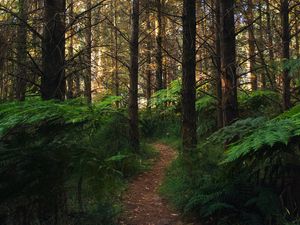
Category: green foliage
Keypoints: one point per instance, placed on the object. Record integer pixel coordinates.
(206, 107)
(162, 119)
(103, 213)
(274, 134)
(237, 130)
(206, 103)
(34, 113)
(259, 103)
(293, 65)
(293, 113)
(253, 182)
(167, 100)
(50, 150)
(155, 125)
(279, 65)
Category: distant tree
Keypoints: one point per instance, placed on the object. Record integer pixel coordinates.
(217, 62)
(285, 35)
(228, 61)
(148, 55)
(21, 75)
(251, 44)
(270, 41)
(70, 79)
(88, 54)
(116, 50)
(159, 38)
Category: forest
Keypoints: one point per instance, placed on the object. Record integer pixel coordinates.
(149, 112)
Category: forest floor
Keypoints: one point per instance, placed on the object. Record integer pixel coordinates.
(142, 203)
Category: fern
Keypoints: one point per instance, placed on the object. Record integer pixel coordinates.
(259, 103)
(274, 132)
(252, 182)
(206, 111)
(169, 97)
(279, 131)
(46, 147)
(34, 113)
(206, 103)
(236, 131)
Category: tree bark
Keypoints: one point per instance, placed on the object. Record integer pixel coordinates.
(149, 61)
(3, 52)
(286, 80)
(228, 62)
(53, 83)
(88, 56)
(134, 71)
(22, 51)
(251, 44)
(269, 31)
(189, 135)
(260, 46)
(297, 42)
(116, 53)
(159, 56)
(218, 62)
(70, 79)
(270, 40)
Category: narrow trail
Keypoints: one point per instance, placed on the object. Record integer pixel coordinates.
(142, 203)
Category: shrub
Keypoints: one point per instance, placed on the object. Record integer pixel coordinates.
(259, 103)
(59, 160)
(255, 181)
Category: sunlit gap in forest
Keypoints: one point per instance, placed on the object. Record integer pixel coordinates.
(149, 112)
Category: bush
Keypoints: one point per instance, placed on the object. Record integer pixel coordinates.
(255, 181)
(259, 103)
(168, 100)
(206, 107)
(167, 103)
(60, 160)
(155, 125)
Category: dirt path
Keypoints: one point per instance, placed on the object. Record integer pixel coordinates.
(142, 203)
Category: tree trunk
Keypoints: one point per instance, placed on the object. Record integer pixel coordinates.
(270, 40)
(297, 42)
(148, 50)
(286, 80)
(218, 62)
(22, 51)
(70, 79)
(159, 56)
(228, 62)
(116, 53)
(297, 45)
(134, 71)
(269, 31)
(88, 57)
(53, 80)
(251, 44)
(3, 53)
(165, 73)
(260, 47)
(189, 135)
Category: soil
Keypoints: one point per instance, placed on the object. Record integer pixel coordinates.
(142, 203)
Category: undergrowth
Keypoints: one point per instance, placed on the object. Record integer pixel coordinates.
(254, 182)
(64, 163)
(68, 163)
